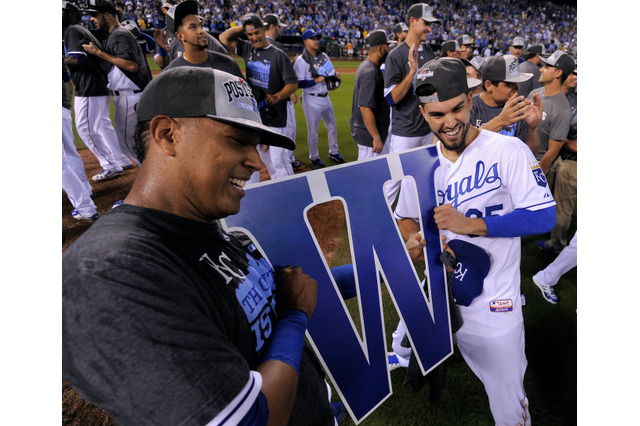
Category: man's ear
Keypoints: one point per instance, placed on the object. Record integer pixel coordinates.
(163, 130)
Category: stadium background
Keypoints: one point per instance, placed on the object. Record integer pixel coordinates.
(551, 377)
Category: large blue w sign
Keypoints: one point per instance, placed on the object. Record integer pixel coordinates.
(275, 215)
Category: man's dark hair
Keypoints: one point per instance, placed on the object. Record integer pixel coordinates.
(141, 140)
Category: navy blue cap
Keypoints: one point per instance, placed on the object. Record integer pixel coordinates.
(473, 266)
(309, 34)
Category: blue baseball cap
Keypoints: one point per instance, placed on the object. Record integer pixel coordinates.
(473, 266)
(309, 34)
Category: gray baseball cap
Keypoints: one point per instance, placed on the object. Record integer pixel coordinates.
(518, 42)
(183, 92)
(424, 11)
(400, 28)
(561, 60)
(535, 49)
(465, 40)
(503, 68)
(101, 6)
(376, 38)
(252, 19)
(449, 46)
(442, 79)
(181, 10)
(475, 62)
(272, 19)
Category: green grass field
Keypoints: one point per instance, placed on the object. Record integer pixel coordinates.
(551, 330)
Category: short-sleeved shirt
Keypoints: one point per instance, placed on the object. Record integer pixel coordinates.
(123, 44)
(268, 70)
(481, 114)
(406, 119)
(368, 92)
(527, 86)
(164, 319)
(90, 78)
(494, 175)
(556, 119)
(215, 60)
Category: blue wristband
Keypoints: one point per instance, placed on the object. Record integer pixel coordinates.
(287, 339)
(162, 52)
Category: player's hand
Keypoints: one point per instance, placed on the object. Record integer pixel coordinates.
(296, 290)
(91, 48)
(448, 218)
(534, 115)
(161, 39)
(445, 247)
(415, 246)
(377, 145)
(272, 99)
(294, 98)
(413, 58)
(514, 110)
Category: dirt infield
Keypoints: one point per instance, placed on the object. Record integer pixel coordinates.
(326, 219)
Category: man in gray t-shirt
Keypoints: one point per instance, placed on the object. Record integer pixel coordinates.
(556, 118)
(531, 65)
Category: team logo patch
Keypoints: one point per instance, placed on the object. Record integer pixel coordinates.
(505, 305)
(424, 74)
(538, 174)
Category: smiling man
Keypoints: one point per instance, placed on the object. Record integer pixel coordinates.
(169, 319)
(490, 191)
(272, 79)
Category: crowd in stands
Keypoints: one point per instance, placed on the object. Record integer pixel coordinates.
(491, 23)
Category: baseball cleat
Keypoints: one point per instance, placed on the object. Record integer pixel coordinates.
(296, 164)
(337, 158)
(79, 216)
(106, 175)
(317, 162)
(547, 291)
(339, 411)
(116, 204)
(392, 360)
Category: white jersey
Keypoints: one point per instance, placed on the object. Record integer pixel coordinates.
(495, 175)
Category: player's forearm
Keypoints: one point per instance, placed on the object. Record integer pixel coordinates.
(571, 144)
(287, 90)
(279, 385)
(228, 38)
(408, 227)
(552, 152)
(400, 91)
(370, 122)
(121, 63)
(533, 140)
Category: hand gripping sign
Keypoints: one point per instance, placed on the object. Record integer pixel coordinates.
(274, 214)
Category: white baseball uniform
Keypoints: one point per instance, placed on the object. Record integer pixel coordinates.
(494, 175)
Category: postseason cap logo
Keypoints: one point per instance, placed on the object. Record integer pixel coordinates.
(424, 74)
(237, 89)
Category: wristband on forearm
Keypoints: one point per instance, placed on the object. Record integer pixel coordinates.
(287, 339)
(162, 52)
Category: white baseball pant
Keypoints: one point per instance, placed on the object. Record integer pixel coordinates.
(566, 260)
(96, 131)
(124, 121)
(317, 108)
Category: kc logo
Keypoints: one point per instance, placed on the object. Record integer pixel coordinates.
(273, 213)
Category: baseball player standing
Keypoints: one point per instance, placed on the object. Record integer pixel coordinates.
(129, 74)
(369, 110)
(408, 129)
(92, 100)
(315, 77)
(273, 29)
(490, 191)
(272, 79)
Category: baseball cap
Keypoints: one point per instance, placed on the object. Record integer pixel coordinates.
(206, 92)
(442, 79)
(473, 266)
(535, 49)
(376, 38)
(518, 41)
(475, 62)
(252, 19)
(400, 28)
(307, 34)
(424, 11)
(101, 6)
(464, 39)
(272, 19)
(133, 29)
(449, 46)
(562, 60)
(503, 68)
(67, 5)
(181, 10)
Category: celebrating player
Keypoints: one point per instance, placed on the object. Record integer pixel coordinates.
(167, 318)
(490, 191)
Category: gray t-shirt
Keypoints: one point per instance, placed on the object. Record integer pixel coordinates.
(405, 116)
(216, 61)
(481, 114)
(556, 119)
(176, 49)
(368, 92)
(268, 71)
(123, 44)
(527, 86)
